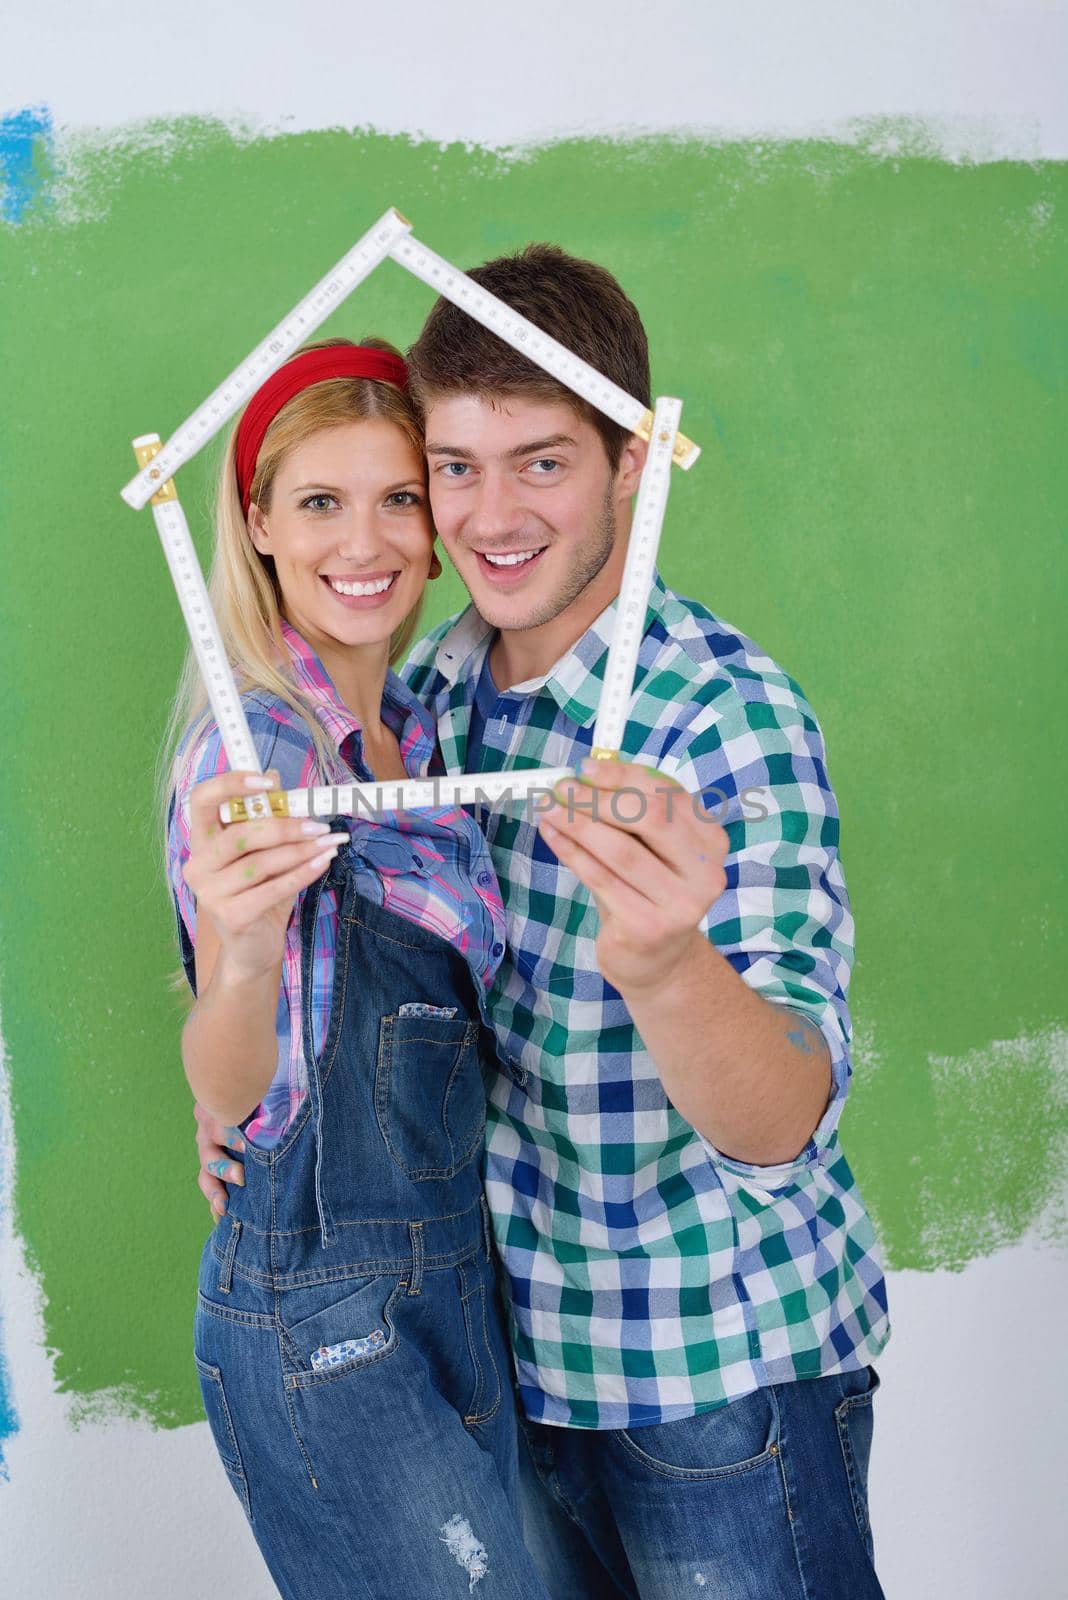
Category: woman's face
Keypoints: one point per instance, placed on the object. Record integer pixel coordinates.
(349, 531)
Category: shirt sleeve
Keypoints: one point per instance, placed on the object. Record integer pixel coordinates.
(784, 921)
(288, 750)
(206, 760)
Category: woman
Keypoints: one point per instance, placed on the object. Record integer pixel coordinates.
(352, 1359)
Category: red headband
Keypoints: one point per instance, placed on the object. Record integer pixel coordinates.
(312, 366)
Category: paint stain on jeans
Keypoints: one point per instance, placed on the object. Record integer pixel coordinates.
(468, 1551)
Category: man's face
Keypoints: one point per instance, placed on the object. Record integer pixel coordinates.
(525, 503)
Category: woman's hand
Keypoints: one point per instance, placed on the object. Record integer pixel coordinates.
(215, 1141)
(247, 875)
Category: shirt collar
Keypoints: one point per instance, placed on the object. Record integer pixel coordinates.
(575, 681)
(401, 710)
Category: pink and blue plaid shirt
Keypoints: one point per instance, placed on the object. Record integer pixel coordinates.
(433, 866)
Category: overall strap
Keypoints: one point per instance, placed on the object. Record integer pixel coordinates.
(334, 876)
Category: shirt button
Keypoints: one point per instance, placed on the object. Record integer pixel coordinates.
(485, 878)
(497, 950)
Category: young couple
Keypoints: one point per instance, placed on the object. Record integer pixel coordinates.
(602, 1046)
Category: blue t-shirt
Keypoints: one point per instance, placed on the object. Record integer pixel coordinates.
(486, 696)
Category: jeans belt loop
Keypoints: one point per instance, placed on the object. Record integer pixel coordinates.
(486, 1237)
(226, 1268)
(415, 1233)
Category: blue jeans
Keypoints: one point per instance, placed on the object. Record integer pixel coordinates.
(352, 1356)
(765, 1498)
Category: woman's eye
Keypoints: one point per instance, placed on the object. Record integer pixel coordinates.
(317, 502)
(404, 498)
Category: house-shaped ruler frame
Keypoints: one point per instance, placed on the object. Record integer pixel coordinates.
(391, 236)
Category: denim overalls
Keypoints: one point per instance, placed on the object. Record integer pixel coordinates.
(349, 1340)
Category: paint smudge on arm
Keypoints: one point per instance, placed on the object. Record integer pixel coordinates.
(805, 1037)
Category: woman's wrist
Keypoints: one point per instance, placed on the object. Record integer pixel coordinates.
(238, 974)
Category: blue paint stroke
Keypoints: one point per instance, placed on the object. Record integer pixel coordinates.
(22, 173)
(9, 1422)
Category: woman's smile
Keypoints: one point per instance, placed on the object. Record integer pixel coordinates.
(361, 594)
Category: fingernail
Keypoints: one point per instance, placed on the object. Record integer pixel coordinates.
(232, 1137)
(237, 1176)
(218, 1207)
(258, 783)
(312, 829)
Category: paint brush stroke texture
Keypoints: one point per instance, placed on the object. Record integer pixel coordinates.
(25, 160)
(9, 1422)
(871, 343)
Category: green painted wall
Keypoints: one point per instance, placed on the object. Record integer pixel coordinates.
(872, 351)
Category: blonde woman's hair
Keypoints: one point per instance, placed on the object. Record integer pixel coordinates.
(243, 587)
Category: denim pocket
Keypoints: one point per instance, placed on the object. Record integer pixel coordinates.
(430, 1098)
(478, 1307)
(734, 1438)
(222, 1429)
(334, 1329)
(856, 1423)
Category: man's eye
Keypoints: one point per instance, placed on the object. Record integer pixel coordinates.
(317, 502)
(546, 462)
(454, 469)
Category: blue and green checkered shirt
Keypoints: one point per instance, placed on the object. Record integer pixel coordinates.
(650, 1275)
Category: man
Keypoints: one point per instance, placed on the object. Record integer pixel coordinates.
(693, 1285)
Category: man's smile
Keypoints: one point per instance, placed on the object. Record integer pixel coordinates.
(504, 568)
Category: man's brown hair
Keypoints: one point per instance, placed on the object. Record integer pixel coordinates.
(575, 301)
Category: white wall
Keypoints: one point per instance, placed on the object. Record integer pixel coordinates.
(992, 71)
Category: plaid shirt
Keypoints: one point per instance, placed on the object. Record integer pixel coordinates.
(651, 1276)
(430, 866)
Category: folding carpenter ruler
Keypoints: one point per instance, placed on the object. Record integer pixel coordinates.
(391, 236)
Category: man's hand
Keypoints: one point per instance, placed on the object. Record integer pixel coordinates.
(214, 1143)
(652, 857)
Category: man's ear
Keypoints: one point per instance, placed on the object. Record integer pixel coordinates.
(631, 462)
(257, 530)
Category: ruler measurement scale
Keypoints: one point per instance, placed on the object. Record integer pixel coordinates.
(391, 236)
(202, 627)
(225, 401)
(467, 789)
(530, 341)
(637, 576)
(407, 794)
